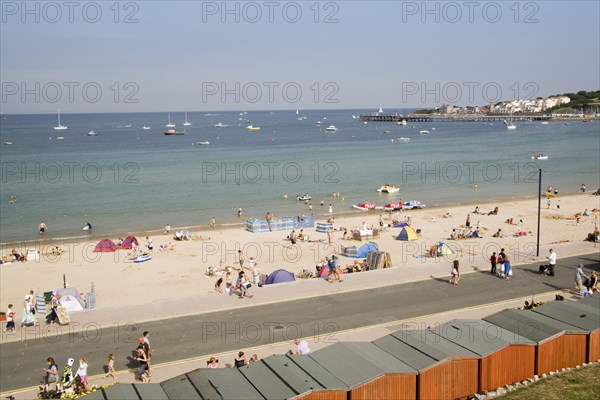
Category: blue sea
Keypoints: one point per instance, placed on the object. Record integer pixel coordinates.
(127, 179)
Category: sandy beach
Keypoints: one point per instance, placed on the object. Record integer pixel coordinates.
(181, 272)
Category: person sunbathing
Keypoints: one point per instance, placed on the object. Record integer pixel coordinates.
(494, 211)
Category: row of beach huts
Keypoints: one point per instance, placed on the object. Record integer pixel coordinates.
(449, 361)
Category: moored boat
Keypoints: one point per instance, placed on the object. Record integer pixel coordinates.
(173, 132)
(388, 189)
(366, 206)
(539, 157)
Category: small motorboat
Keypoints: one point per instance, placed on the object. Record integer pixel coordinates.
(544, 122)
(366, 206)
(91, 133)
(145, 128)
(401, 140)
(539, 157)
(60, 138)
(331, 128)
(424, 132)
(220, 125)
(318, 123)
(8, 143)
(173, 132)
(387, 132)
(306, 197)
(412, 204)
(253, 128)
(403, 122)
(205, 142)
(393, 206)
(142, 258)
(388, 189)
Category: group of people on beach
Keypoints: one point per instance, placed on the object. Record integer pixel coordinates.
(242, 285)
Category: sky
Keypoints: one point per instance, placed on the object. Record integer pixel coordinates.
(151, 56)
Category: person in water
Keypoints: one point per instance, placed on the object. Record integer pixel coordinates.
(88, 226)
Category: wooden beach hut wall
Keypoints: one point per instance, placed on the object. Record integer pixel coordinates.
(504, 356)
(559, 345)
(370, 372)
(581, 315)
(446, 370)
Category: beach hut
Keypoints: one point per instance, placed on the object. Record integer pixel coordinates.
(322, 385)
(129, 242)
(368, 371)
(580, 315)
(280, 276)
(407, 233)
(333, 387)
(560, 345)
(504, 357)
(105, 246)
(446, 370)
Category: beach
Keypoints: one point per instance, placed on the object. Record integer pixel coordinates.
(180, 273)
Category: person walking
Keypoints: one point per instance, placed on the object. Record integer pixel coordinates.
(579, 275)
(269, 218)
(110, 366)
(333, 270)
(552, 261)
(330, 209)
(507, 270)
(493, 261)
(455, 273)
(241, 259)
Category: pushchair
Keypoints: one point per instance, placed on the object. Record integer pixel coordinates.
(544, 269)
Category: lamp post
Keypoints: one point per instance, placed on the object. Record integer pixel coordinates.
(539, 212)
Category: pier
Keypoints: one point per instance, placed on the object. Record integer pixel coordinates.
(449, 118)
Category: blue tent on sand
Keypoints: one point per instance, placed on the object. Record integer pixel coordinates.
(280, 276)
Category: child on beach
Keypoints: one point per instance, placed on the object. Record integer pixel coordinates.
(228, 281)
(110, 366)
(256, 274)
(10, 320)
(218, 285)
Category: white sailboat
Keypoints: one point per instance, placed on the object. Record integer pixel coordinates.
(169, 124)
(187, 123)
(510, 125)
(380, 110)
(60, 127)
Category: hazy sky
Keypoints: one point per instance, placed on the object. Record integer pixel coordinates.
(199, 56)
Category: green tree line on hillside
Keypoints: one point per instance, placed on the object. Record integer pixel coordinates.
(579, 100)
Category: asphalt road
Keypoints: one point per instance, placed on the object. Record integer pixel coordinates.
(205, 334)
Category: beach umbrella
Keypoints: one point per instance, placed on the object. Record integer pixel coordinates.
(105, 246)
(407, 233)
